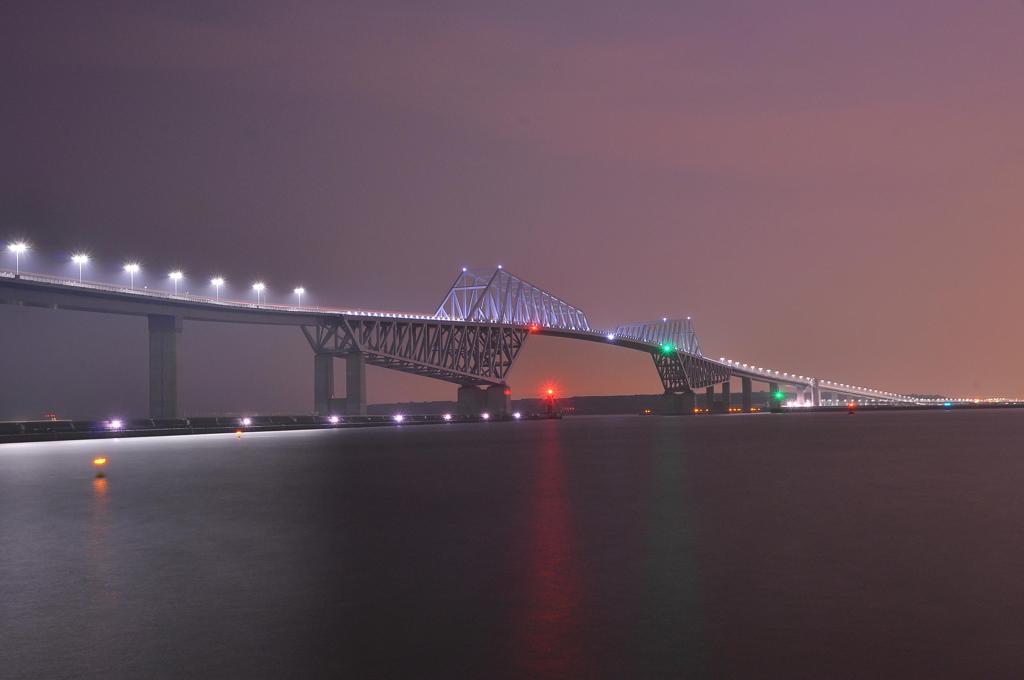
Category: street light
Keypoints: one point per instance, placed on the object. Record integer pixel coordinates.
(81, 259)
(176, 276)
(132, 268)
(300, 291)
(217, 282)
(18, 247)
(259, 288)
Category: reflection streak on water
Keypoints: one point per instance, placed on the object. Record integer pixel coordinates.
(549, 631)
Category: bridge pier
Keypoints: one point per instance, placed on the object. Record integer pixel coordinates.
(709, 397)
(815, 393)
(323, 383)
(354, 402)
(163, 365)
(355, 384)
(498, 401)
(748, 394)
(773, 388)
(723, 407)
(673, 404)
(472, 400)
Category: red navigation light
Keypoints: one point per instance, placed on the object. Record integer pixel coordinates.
(550, 391)
(534, 328)
(508, 392)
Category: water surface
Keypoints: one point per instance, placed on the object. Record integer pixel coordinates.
(811, 545)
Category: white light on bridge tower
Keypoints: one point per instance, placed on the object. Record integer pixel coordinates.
(176, 276)
(19, 248)
(217, 282)
(259, 287)
(81, 259)
(299, 292)
(132, 268)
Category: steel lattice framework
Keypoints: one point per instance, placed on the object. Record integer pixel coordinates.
(459, 352)
(682, 372)
(496, 296)
(678, 333)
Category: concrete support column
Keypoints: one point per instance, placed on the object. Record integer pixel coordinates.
(710, 397)
(498, 400)
(163, 365)
(355, 384)
(323, 383)
(673, 404)
(726, 397)
(815, 393)
(772, 389)
(748, 394)
(472, 401)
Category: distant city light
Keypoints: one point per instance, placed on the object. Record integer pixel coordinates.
(115, 424)
(485, 416)
(333, 420)
(246, 421)
(81, 259)
(398, 417)
(517, 415)
(447, 417)
(610, 336)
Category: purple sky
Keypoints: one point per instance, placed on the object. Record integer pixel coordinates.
(831, 188)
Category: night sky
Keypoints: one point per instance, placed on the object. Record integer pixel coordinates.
(829, 188)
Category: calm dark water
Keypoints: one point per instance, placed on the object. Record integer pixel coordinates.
(812, 545)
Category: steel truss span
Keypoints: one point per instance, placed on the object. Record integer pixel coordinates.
(496, 296)
(463, 353)
(676, 333)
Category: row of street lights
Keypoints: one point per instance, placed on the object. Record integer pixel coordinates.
(19, 248)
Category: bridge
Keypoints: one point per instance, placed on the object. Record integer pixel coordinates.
(472, 340)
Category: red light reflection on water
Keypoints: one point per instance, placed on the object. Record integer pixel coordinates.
(548, 637)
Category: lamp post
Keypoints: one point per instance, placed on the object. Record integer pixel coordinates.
(299, 292)
(176, 276)
(217, 282)
(132, 268)
(259, 287)
(18, 247)
(81, 259)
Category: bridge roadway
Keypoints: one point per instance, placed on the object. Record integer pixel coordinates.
(470, 353)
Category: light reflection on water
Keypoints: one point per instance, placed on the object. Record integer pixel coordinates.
(549, 634)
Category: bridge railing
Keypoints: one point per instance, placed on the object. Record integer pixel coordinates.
(157, 294)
